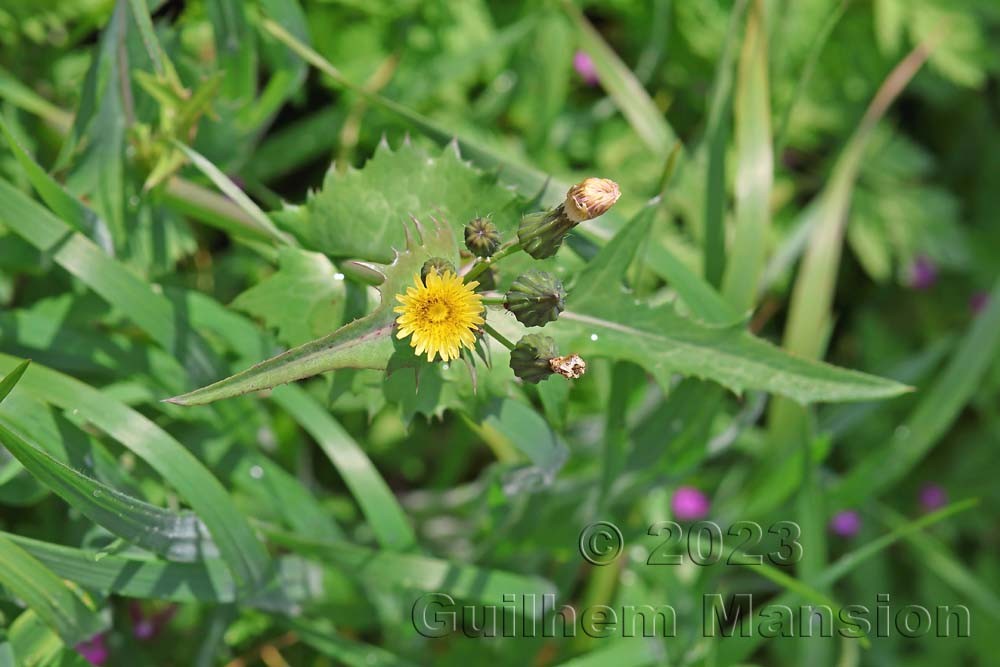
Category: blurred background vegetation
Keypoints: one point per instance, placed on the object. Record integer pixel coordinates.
(686, 100)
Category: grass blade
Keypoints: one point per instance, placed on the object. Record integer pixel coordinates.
(624, 88)
(45, 594)
(224, 183)
(933, 416)
(754, 165)
(177, 536)
(237, 542)
(380, 507)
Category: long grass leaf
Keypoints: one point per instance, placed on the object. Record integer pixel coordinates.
(230, 529)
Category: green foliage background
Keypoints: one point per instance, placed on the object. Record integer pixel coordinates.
(185, 190)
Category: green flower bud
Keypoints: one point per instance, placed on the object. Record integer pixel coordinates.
(536, 298)
(438, 265)
(531, 356)
(482, 237)
(541, 234)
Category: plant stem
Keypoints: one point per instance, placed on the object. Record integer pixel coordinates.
(496, 300)
(499, 336)
(481, 266)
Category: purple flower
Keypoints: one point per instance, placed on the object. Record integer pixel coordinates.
(146, 626)
(94, 650)
(979, 301)
(932, 497)
(689, 504)
(584, 66)
(923, 273)
(846, 523)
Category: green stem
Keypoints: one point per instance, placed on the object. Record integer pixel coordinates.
(497, 300)
(499, 336)
(482, 265)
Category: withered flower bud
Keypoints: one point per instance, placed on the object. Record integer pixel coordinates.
(531, 358)
(536, 298)
(438, 265)
(571, 366)
(482, 237)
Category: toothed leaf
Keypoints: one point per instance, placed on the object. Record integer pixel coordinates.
(357, 214)
(367, 342)
(602, 320)
(303, 299)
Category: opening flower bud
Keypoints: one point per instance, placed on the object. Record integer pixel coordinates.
(590, 198)
(530, 359)
(482, 237)
(536, 298)
(438, 265)
(541, 234)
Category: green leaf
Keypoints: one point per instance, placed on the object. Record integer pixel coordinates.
(110, 279)
(364, 343)
(635, 652)
(261, 222)
(11, 379)
(624, 88)
(937, 410)
(302, 299)
(360, 213)
(175, 535)
(208, 581)
(386, 518)
(735, 649)
(64, 204)
(345, 651)
(387, 570)
(602, 320)
(715, 142)
(754, 165)
(237, 542)
(46, 594)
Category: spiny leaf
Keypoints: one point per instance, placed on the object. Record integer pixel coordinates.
(303, 299)
(603, 321)
(364, 343)
(357, 213)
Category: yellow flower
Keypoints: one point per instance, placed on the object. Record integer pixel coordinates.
(440, 314)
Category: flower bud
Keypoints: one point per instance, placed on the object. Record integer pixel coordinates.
(531, 356)
(541, 234)
(571, 366)
(536, 298)
(438, 265)
(590, 198)
(482, 237)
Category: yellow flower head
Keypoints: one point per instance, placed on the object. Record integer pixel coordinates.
(441, 313)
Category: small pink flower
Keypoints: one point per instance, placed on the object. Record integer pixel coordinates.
(933, 497)
(846, 523)
(94, 650)
(584, 66)
(146, 626)
(979, 301)
(923, 273)
(689, 504)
